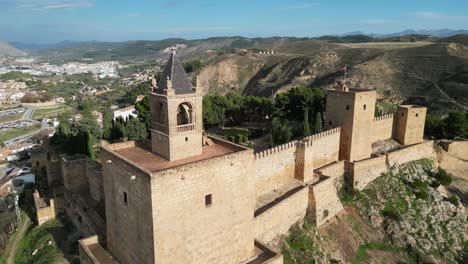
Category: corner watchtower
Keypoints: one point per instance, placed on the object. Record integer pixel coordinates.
(353, 111)
(410, 121)
(176, 114)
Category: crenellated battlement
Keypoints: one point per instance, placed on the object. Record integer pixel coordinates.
(319, 136)
(383, 117)
(276, 149)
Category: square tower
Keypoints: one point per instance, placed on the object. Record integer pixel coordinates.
(410, 120)
(176, 114)
(353, 110)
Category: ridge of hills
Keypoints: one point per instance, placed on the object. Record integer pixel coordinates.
(8, 50)
(432, 74)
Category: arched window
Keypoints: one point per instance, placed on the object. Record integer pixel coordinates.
(184, 114)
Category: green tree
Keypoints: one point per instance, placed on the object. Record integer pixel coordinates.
(456, 125)
(281, 132)
(434, 127)
(318, 122)
(143, 110)
(136, 130)
(106, 122)
(306, 123)
(89, 146)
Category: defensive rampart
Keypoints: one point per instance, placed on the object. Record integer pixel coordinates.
(278, 219)
(410, 153)
(364, 171)
(382, 128)
(274, 167)
(325, 147)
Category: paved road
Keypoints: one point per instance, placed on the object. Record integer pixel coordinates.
(14, 247)
(27, 115)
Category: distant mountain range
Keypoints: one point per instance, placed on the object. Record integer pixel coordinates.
(8, 50)
(439, 33)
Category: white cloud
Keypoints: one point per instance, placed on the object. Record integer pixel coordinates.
(302, 6)
(43, 5)
(197, 29)
(430, 15)
(376, 21)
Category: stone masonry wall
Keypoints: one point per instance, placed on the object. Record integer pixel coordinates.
(94, 175)
(129, 225)
(74, 173)
(188, 230)
(325, 147)
(382, 128)
(274, 167)
(365, 171)
(44, 211)
(324, 202)
(453, 157)
(414, 152)
(277, 220)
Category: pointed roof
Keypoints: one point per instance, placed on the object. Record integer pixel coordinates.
(176, 74)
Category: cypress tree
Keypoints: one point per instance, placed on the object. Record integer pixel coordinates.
(318, 122)
(306, 122)
(90, 148)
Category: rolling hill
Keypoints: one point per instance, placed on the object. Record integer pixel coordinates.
(7, 50)
(430, 74)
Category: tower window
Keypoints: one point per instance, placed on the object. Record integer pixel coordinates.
(330, 123)
(365, 106)
(417, 115)
(402, 114)
(208, 200)
(125, 198)
(347, 107)
(186, 138)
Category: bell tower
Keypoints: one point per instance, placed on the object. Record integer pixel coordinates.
(176, 114)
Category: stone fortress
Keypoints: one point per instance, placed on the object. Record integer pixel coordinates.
(187, 197)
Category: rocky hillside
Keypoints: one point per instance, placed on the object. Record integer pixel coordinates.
(6, 50)
(431, 74)
(405, 216)
(145, 50)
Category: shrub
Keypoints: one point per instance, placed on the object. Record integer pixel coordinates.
(391, 212)
(231, 138)
(443, 177)
(454, 200)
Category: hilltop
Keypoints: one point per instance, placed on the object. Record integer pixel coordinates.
(7, 50)
(421, 72)
(459, 39)
(158, 49)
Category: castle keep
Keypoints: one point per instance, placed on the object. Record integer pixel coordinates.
(186, 197)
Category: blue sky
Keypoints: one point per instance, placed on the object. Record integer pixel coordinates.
(47, 21)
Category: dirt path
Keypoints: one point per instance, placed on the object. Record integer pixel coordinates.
(14, 247)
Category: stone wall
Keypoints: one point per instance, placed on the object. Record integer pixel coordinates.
(94, 176)
(325, 147)
(91, 252)
(188, 230)
(410, 153)
(274, 167)
(364, 171)
(334, 170)
(129, 223)
(45, 210)
(324, 202)
(382, 128)
(277, 220)
(74, 173)
(82, 213)
(453, 157)
(54, 171)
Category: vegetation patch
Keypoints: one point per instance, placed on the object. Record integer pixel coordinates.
(17, 132)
